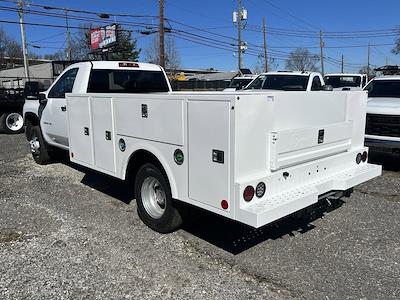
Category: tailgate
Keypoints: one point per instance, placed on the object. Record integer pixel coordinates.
(295, 146)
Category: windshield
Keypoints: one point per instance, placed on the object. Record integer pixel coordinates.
(343, 81)
(280, 82)
(383, 88)
(239, 83)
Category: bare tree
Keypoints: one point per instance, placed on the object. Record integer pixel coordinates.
(260, 64)
(9, 47)
(302, 60)
(172, 58)
(396, 49)
(364, 70)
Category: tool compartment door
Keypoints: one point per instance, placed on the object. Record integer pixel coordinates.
(103, 133)
(209, 139)
(291, 147)
(80, 129)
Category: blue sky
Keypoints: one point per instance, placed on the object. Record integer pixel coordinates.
(216, 16)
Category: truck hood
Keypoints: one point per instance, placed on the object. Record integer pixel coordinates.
(385, 106)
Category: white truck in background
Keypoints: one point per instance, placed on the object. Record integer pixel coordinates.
(249, 156)
(287, 81)
(346, 82)
(382, 131)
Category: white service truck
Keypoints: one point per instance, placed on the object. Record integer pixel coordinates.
(249, 156)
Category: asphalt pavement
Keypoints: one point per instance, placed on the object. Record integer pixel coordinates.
(70, 233)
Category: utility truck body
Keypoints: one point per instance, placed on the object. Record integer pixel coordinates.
(249, 156)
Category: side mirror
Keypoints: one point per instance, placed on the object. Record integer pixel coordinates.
(327, 87)
(42, 98)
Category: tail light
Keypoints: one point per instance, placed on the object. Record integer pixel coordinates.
(224, 204)
(248, 193)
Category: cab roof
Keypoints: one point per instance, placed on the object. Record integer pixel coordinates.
(391, 77)
(299, 73)
(125, 65)
(344, 74)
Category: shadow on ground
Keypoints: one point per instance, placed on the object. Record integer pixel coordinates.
(389, 162)
(235, 237)
(224, 233)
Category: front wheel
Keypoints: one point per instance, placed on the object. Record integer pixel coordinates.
(38, 146)
(11, 122)
(154, 201)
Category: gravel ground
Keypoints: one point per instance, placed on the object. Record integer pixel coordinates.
(68, 233)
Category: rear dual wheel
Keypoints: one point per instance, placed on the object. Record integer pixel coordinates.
(155, 205)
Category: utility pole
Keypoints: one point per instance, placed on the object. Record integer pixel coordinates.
(321, 45)
(265, 46)
(162, 53)
(239, 26)
(23, 38)
(68, 36)
(369, 53)
(342, 64)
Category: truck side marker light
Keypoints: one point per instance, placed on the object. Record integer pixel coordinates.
(224, 204)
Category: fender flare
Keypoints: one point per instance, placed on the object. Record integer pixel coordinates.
(141, 146)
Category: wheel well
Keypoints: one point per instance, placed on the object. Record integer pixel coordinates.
(138, 159)
(31, 119)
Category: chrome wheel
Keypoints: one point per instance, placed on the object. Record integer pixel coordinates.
(34, 145)
(153, 197)
(14, 122)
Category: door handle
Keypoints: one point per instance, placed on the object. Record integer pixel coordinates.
(64, 108)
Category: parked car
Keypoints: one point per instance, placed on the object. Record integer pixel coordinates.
(346, 82)
(383, 114)
(253, 157)
(288, 81)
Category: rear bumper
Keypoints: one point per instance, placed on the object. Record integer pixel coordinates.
(387, 146)
(262, 211)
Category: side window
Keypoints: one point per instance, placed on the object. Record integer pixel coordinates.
(316, 84)
(64, 84)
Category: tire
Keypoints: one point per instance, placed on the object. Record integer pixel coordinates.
(39, 147)
(154, 201)
(11, 122)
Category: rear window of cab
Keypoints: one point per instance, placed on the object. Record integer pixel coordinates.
(126, 81)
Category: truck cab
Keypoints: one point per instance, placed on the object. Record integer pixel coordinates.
(50, 111)
(288, 81)
(346, 82)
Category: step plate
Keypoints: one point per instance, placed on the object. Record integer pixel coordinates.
(283, 204)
